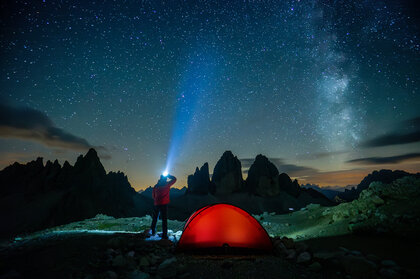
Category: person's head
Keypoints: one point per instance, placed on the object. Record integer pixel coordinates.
(162, 179)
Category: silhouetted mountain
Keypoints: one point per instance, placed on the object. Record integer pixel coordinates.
(289, 186)
(329, 191)
(34, 196)
(384, 176)
(227, 175)
(264, 189)
(263, 178)
(199, 182)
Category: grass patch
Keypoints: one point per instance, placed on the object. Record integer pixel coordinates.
(105, 226)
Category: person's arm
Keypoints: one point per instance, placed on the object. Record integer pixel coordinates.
(173, 180)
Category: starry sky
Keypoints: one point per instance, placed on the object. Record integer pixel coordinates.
(328, 90)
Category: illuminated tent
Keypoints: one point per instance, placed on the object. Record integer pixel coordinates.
(223, 225)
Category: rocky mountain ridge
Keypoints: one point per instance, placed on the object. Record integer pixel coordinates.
(263, 190)
(35, 196)
(263, 179)
(385, 176)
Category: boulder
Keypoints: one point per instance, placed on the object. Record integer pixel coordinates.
(279, 247)
(288, 242)
(301, 247)
(144, 262)
(304, 257)
(263, 178)
(227, 175)
(373, 258)
(111, 275)
(315, 266)
(389, 263)
(358, 267)
(167, 268)
(137, 274)
(119, 261)
(291, 254)
(326, 256)
(389, 273)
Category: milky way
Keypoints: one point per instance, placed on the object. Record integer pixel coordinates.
(303, 82)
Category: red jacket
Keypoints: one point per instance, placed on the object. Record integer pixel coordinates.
(161, 192)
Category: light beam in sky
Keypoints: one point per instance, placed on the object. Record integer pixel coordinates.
(196, 84)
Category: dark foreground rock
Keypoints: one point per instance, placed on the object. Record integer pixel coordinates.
(129, 256)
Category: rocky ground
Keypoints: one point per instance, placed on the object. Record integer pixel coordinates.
(374, 236)
(128, 256)
(88, 255)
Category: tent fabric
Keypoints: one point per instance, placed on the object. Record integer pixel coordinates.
(223, 225)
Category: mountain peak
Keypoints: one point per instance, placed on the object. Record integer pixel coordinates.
(263, 177)
(90, 162)
(227, 153)
(227, 174)
(92, 154)
(261, 158)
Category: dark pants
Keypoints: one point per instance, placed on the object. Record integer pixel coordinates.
(161, 210)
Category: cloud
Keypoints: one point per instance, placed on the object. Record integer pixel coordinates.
(393, 139)
(290, 169)
(319, 155)
(385, 160)
(33, 125)
(397, 137)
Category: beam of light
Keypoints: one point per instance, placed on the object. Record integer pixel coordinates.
(194, 86)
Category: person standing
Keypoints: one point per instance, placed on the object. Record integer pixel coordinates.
(161, 200)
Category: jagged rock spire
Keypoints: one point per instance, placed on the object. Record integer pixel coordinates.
(227, 174)
(263, 177)
(199, 182)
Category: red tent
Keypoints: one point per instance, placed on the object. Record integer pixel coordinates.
(223, 225)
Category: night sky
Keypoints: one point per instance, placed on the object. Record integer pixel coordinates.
(328, 90)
